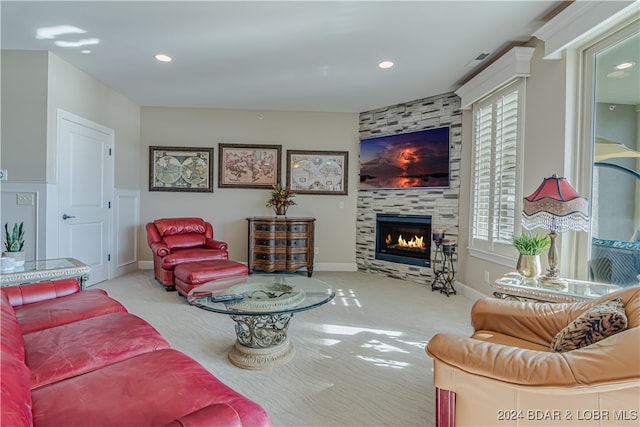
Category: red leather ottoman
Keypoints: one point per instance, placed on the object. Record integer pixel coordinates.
(193, 274)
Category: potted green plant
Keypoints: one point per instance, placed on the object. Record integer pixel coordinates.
(281, 198)
(14, 243)
(530, 246)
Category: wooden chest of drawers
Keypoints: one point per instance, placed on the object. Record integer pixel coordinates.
(281, 244)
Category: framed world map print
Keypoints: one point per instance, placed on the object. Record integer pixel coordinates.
(181, 169)
(317, 172)
(248, 166)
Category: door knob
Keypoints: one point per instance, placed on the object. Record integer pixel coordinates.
(65, 216)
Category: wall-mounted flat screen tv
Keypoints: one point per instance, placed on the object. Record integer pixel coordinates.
(406, 160)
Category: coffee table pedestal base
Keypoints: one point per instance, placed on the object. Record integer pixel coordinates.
(262, 358)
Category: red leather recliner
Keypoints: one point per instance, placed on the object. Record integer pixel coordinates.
(176, 241)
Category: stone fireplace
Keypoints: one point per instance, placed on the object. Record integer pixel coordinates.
(439, 203)
(405, 239)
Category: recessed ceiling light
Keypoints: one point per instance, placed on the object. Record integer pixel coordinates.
(52, 32)
(385, 64)
(79, 43)
(163, 58)
(624, 65)
(617, 74)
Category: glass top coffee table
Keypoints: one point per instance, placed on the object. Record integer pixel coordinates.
(261, 306)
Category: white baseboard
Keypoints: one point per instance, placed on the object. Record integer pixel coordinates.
(145, 265)
(124, 269)
(334, 266)
(322, 266)
(469, 292)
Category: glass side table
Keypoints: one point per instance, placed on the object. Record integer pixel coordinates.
(515, 287)
(47, 269)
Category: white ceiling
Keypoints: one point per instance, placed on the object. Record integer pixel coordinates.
(291, 55)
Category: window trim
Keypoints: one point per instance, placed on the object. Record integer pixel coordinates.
(579, 244)
(497, 252)
(513, 64)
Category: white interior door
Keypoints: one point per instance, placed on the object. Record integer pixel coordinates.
(85, 178)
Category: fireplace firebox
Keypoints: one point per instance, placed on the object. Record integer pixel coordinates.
(404, 239)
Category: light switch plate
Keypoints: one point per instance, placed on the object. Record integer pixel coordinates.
(24, 199)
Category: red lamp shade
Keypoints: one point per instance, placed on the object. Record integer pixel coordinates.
(555, 206)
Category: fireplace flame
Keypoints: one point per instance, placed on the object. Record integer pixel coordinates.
(415, 242)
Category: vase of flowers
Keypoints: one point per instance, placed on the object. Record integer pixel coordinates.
(280, 200)
(530, 246)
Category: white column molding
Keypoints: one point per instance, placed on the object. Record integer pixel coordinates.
(515, 63)
(127, 217)
(582, 20)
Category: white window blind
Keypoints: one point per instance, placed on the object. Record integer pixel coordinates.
(496, 141)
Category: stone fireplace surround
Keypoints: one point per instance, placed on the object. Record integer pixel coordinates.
(440, 203)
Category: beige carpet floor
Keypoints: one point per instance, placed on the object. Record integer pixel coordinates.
(360, 359)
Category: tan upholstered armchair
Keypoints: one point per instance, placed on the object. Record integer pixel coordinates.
(506, 375)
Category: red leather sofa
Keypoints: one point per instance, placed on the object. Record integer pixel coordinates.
(176, 241)
(71, 358)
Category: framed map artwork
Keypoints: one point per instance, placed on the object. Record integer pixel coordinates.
(181, 169)
(317, 172)
(249, 166)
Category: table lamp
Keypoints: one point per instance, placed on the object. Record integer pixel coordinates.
(557, 207)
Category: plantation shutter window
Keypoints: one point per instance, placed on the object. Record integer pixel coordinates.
(482, 173)
(495, 188)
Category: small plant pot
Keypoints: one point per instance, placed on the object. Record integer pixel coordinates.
(529, 266)
(7, 264)
(18, 256)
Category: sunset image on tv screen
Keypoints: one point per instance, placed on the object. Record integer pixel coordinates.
(405, 160)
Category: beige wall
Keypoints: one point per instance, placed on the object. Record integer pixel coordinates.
(24, 115)
(227, 208)
(544, 155)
